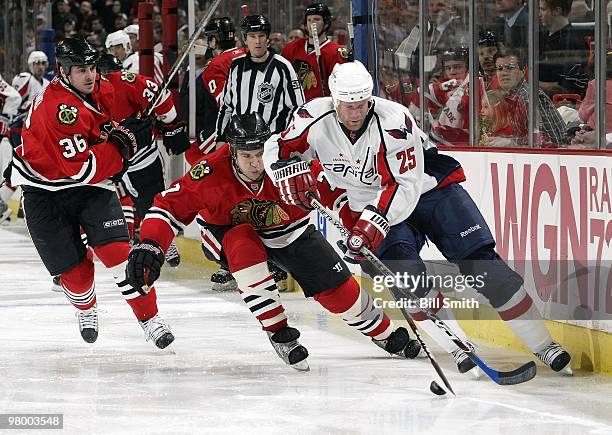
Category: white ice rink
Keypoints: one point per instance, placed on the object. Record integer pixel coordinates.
(225, 378)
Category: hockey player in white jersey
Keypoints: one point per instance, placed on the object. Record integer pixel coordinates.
(30, 83)
(10, 101)
(400, 191)
(119, 45)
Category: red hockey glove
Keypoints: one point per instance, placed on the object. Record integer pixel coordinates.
(295, 182)
(369, 231)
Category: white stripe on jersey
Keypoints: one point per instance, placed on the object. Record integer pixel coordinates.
(270, 88)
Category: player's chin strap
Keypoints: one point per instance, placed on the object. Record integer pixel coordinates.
(87, 97)
(243, 175)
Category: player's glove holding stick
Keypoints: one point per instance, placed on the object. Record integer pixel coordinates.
(295, 182)
(369, 231)
(144, 265)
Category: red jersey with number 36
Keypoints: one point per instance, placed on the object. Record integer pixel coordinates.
(65, 140)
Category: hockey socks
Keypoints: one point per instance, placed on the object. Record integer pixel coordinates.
(357, 309)
(258, 290)
(78, 284)
(247, 259)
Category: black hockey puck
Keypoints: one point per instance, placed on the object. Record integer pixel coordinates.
(436, 389)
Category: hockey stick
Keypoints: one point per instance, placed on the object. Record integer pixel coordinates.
(185, 49)
(321, 209)
(521, 374)
(317, 48)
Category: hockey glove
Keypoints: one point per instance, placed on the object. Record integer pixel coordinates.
(295, 182)
(125, 141)
(142, 129)
(369, 231)
(175, 136)
(144, 265)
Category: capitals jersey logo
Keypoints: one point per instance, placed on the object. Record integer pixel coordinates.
(67, 115)
(403, 131)
(265, 92)
(259, 213)
(306, 75)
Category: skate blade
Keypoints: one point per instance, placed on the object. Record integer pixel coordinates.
(57, 288)
(567, 371)
(225, 287)
(301, 366)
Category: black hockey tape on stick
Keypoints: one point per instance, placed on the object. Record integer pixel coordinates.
(185, 49)
(519, 375)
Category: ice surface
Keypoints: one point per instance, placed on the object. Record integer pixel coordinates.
(225, 378)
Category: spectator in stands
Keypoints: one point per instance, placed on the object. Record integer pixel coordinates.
(511, 77)
(69, 28)
(112, 9)
(586, 136)
(85, 18)
(512, 26)
(562, 49)
(97, 27)
(121, 21)
(277, 42)
(296, 34)
(61, 13)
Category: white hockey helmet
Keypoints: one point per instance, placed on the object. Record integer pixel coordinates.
(37, 56)
(119, 38)
(132, 29)
(350, 82)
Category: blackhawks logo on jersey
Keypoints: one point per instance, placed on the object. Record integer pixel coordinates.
(127, 76)
(305, 74)
(67, 115)
(200, 170)
(259, 213)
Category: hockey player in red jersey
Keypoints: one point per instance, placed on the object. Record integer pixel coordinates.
(243, 223)
(301, 53)
(144, 175)
(399, 192)
(71, 146)
(209, 87)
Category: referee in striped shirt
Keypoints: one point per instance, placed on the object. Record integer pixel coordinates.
(260, 81)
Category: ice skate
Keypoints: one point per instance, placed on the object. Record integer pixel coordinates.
(399, 343)
(173, 257)
(284, 341)
(223, 281)
(464, 363)
(56, 286)
(88, 323)
(5, 213)
(556, 358)
(158, 331)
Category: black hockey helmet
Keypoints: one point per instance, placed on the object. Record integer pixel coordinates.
(319, 9)
(109, 63)
(487, 38)
(255, 23)
(247, 132)
(462, 52)
(221, 28)
(74, 51)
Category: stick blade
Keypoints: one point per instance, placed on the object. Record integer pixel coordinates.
(524, 373)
